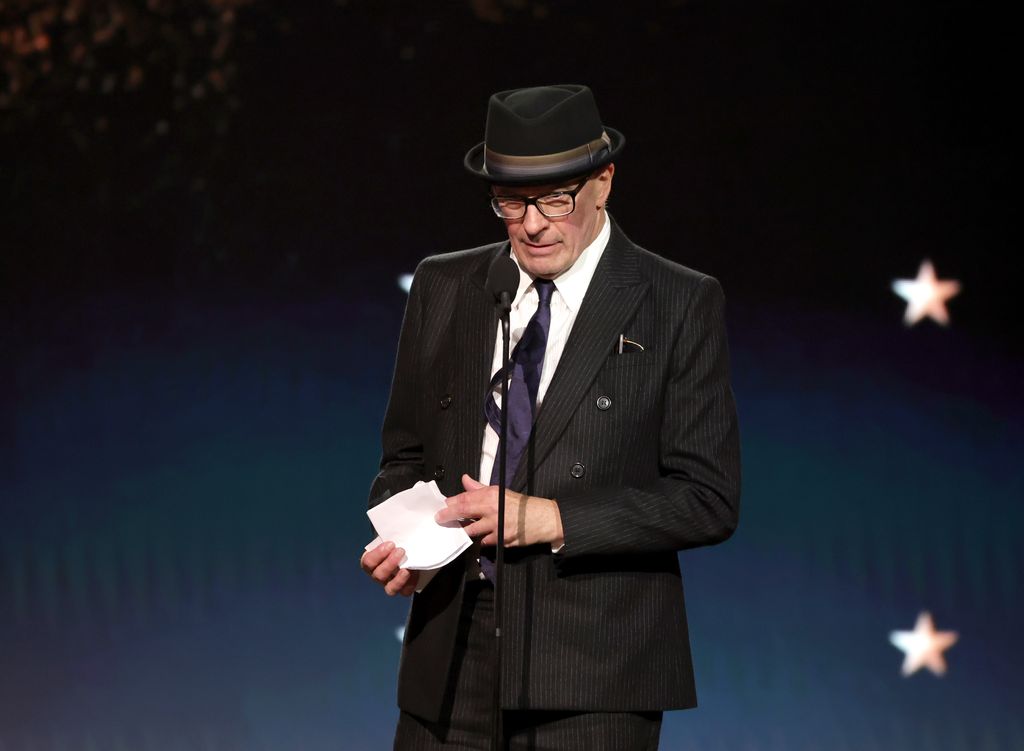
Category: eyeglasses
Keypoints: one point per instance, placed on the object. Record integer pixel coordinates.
(551, 205)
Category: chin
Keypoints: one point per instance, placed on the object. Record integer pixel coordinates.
(548, 270)
(544, 265)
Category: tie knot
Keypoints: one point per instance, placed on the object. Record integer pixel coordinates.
(545, 288)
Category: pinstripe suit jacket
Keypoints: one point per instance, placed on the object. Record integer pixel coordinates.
(600, 626)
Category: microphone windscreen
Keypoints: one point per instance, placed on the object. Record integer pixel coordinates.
(503, 276)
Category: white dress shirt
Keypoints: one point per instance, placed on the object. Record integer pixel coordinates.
(570, 288)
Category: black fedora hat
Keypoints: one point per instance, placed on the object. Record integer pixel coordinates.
(542, 134)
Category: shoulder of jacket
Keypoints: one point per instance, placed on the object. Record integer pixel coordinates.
(656, 268)
(457, 263)
(661, 270)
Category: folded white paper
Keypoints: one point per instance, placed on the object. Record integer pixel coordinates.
(407, 519)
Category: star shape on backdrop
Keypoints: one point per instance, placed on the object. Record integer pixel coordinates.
(926, 295)
(923, 647)
(405, 282)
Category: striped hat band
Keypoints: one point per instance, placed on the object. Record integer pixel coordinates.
(576, 160)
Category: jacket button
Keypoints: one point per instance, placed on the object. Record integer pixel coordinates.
(439, 472)
(446, 401)
(603, 402)
(577, 470)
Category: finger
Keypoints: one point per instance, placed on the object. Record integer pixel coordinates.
(491, 538)
(410, 587)
(446, 515)
(459, 507)
(470, 484)
(398, 581)
(373, 558)
(479, 528)
(386, 570)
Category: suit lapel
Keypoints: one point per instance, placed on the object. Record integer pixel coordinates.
(612, 297)
(476, 321)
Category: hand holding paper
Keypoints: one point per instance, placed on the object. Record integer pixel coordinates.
(407, 519)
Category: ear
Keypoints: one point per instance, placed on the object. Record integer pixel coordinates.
(604, 183)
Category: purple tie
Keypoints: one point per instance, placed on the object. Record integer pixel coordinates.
(526, 362)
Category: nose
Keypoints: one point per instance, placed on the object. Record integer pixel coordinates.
(534, 222)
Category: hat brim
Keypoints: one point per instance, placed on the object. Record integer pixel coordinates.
(474, 164)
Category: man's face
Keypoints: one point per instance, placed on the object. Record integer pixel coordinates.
(545, 246)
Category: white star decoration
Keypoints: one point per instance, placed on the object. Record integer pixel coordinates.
(923, 647)
(405, 282)
(926, 295)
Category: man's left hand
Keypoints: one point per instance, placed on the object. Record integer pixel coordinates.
(528, 520)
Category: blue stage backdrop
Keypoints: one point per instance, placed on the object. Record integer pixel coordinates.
(209, 209)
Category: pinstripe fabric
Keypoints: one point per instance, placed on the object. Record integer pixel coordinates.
(466, 717)
(601, 626)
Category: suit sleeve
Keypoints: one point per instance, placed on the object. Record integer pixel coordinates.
(401, 463)
(695, 500)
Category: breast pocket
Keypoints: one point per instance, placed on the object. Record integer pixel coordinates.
(625, 360)
(625, 398)
(625, 381)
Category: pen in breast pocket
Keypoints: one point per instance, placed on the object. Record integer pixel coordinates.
(623, 341)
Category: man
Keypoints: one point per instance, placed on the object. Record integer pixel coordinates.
(630, 454)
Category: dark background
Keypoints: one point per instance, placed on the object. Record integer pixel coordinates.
(206, 209)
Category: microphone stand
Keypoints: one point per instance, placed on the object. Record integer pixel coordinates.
(505, 306)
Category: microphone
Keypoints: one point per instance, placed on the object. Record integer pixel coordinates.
(503, 282)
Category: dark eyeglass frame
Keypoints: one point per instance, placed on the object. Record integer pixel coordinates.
(527, 202)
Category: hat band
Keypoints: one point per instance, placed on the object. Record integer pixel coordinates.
(518, 167)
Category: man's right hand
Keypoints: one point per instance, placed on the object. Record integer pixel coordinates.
(381, 564)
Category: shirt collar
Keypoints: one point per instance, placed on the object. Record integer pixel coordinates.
(572, 283)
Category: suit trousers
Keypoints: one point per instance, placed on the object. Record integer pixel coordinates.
(466, 716)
